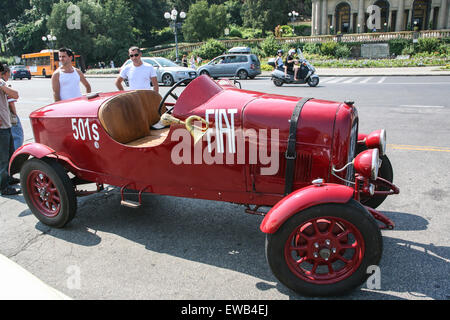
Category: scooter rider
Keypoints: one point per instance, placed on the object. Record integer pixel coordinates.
(279, 60)
(291, 64)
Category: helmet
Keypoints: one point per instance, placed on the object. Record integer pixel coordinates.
(291, 51)
(280, 51)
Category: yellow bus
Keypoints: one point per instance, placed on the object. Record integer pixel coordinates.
(44, 63)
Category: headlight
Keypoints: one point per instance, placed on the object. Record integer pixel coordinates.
(367, 163)
(377, 139)
(181, 73)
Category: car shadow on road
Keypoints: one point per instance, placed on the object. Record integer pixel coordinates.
(222, 235)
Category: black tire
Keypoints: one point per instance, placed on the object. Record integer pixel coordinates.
(312, 82)
(48, 191)
(204, 72)
(167, 79)
(44, 73)
(386, 172)
(350, 217)
(242, 74)
(278, 82)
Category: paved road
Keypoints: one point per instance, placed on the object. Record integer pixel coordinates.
(175, 248)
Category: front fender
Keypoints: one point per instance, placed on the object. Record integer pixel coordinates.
(21, 155)
(302, 199)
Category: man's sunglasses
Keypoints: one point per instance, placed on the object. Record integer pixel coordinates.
(134, 55)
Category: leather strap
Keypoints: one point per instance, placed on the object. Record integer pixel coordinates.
(291, 153)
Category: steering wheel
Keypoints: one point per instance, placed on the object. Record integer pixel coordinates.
(173, 95)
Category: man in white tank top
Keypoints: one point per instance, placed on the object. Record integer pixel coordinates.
(66, 79)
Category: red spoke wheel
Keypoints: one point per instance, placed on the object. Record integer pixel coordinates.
(48, 191)
(326, 249)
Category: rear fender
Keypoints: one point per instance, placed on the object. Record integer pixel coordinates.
(302, 199)
(22, 154)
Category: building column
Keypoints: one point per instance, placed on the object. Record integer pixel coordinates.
(361, 16)
(318, 17)
(313, 17)
(410, 17)
(389, 19)
(400, 16)
(430, 18)
(324, 17)
(442, 15)
(350, 27)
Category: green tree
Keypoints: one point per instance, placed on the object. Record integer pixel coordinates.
(264, 14)
(203, 22)
(234, 8)
(105, 31)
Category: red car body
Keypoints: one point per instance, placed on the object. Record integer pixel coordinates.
(72, 133)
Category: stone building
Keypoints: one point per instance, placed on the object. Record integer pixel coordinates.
(357, 16)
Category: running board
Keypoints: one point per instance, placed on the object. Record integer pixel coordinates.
(130, 203)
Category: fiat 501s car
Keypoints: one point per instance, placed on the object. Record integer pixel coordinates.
(299, 162)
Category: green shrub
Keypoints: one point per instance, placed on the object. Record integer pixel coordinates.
(312, 48)
(396, 46)
(328, 48)
(235, 32)
(270, 46)
(408, 50)
(211, 49)
(343, 51)
(302, 30)
(428, 45)
(286, 31)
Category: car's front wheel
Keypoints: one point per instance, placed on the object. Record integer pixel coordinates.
(325, 250)
(167, 79)
(204, 72)
(48, 191)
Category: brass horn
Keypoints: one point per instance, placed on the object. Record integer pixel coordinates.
(196, 131)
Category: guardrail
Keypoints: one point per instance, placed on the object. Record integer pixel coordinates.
(353, 37)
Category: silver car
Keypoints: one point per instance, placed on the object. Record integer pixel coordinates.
(230, 65)
(168, 72)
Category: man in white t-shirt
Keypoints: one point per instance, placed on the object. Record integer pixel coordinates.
(138, 73)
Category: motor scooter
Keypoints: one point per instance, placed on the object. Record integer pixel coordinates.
(305, 74)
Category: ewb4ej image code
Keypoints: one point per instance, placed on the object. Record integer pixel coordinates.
(260, 310)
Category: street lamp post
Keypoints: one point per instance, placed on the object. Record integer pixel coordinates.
(172, 18)
(50, 40)
(293, 15)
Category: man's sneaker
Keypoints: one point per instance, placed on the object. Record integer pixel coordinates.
(13, 181)
(10, 191)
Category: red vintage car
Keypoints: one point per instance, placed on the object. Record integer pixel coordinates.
(302, 157)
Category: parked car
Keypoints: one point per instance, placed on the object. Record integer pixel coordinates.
(20, 72)
(230, 65)
(302, 157)
(168, 72)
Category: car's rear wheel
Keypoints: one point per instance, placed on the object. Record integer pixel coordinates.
(242, 74)
(204, 72)
(325, 250)
(167, 79)
(48, 191)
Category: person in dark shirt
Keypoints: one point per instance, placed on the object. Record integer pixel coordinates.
(291, 64)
